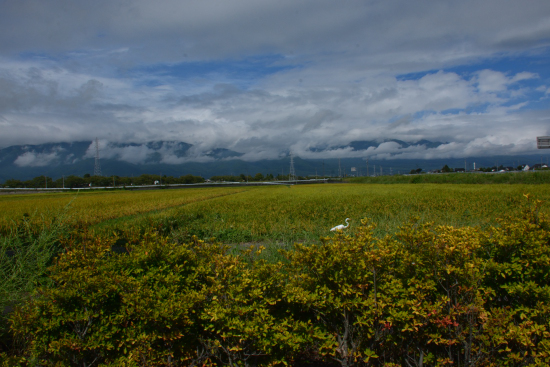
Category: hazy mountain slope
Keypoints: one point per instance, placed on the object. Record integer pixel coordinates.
(178, 158)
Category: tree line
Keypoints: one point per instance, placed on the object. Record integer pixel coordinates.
(88, 180)
(258, 177)
(447, 169)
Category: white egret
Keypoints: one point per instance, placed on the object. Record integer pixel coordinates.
(340, 226)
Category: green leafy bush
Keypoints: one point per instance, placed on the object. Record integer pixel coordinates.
(429, 295)
(160, 304)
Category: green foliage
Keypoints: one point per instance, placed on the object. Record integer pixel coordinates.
(100, 181)
(446, 169)
(433, 295)
(227, 178)
(343, 284)
(160, 304)
(25, 253)
(426, 295)
(246, 322)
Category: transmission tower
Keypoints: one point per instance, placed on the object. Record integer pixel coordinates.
(292, 173)
(97, 166)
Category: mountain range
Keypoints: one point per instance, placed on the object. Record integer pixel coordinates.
(173, 158)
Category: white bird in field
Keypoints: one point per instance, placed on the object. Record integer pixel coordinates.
(340, 226)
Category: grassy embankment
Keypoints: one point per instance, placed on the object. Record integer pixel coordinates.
(538, 177)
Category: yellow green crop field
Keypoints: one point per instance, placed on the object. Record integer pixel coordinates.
(98, 206)
(276, 213)
(296, 213)
(140, 270)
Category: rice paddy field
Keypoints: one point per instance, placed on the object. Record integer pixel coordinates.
(153, 258)
(272, 214)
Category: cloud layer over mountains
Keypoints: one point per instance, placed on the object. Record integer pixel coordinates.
(266, 78)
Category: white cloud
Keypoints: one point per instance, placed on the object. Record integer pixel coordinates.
(491, 81)
(33, 159)
(495, 81)
(202, 72)
(524, 75)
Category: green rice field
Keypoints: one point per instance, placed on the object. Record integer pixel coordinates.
(272, 214)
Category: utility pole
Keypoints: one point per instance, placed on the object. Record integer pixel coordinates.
(292, 173)
(97, 166)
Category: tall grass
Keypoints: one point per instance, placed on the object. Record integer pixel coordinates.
(26, 250)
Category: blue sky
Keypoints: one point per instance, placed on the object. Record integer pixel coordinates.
(245, 71)
(265, 78)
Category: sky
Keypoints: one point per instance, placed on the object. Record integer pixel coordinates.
(265, 78)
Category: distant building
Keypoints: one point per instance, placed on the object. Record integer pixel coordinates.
(543, 142)
(460, 170)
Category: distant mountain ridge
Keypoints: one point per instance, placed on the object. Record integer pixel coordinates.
(364, 145)
(54, 154)
(175, 158)
(153, 152)
(16, 154)
(359, 145)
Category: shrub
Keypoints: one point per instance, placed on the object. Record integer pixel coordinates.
(159, 304)
(428, 295)
(433, 295)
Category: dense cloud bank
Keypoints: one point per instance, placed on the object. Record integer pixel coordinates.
(264, 79)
